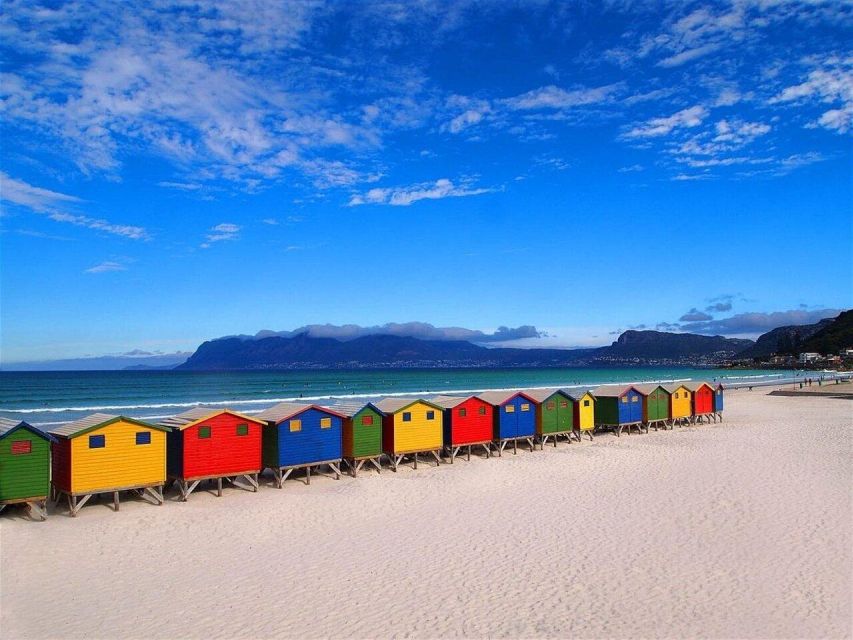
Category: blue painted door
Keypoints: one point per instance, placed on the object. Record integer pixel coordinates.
(311, 436)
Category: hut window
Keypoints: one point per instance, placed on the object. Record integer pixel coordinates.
(430, 415)
(525, 407)
(295, 425)
(482, 411)
(366, 420)
(510, 408)
(634, 398)
(242, 429)
(407, 416)
(325, 423)
(586, 403)
(97, 442)
(550, 406)
(203, 433)
(463, 413)
(564, 403)
(21, 447)
(719, 392)
(624, 399)
(143, 437)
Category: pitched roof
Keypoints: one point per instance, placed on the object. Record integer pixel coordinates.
(393, 405)
(199, 414)
(95, 420)
(693, 385)
(499, 397)
(286, 410)
(449, 402)
(348, 408)
(541, 395)
(8, 425)
(649, 387)
(672, 388)
(613, 390)
(577, 394)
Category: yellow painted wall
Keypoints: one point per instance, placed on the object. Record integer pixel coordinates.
(420, 434)
(680, 403)
(121, 463)
(586, 415)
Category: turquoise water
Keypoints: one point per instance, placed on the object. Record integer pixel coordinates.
(46, 398)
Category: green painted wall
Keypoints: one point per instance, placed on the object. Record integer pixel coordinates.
(657, 405)
(366, 439)
(554, 417)
(24, 475)
(606, 411)
(269, 447)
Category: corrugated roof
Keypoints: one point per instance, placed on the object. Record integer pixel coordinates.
(498, 397)
(8, 424)
(541, 395)
(647, 388)
(348, 408)
(672, 388)
(695, 384)
(448, 402)
(577, 394)
(393, 405)
(70, 428)
(197, 414)
(282, 411)
(612, 390)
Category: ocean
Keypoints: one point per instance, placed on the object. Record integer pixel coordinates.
(49, 398)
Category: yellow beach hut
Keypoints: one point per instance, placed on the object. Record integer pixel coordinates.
(680, 407)
(411, 426)
(584, 412)
(104, 453)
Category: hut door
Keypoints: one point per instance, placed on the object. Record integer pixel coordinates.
(564, 414)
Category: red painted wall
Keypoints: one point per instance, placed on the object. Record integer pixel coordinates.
(388, 432)
(472, 427)
(224, 452)
(703, 401)
(61, 463)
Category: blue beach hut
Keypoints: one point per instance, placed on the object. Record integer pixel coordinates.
(618, 407)
(718, 400)
(300, 436)
(515, 418)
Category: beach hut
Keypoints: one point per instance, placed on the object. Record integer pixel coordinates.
(104, 453)
(362, 434)
(703, 401)
(468, 422)
(718, 400)
(410, 427)
(207, 443)
(584, 412)
(656, 405)
(680, 404)
(24, 466)
(554, 414)
(618, 407)
(515, 418)
(301, 436)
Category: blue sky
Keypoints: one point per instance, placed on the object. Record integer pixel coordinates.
(176, 171)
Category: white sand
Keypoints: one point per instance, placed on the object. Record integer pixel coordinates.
(734, 530)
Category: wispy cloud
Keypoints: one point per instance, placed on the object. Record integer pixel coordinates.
(552, 97)
(830, 83)
(106, 267)
(52, 203)
(221, 232)
(407, 195)
(686, 118)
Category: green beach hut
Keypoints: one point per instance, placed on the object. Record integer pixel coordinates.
(656, 410)
(362, 434)
(554, 414)
(24, 466)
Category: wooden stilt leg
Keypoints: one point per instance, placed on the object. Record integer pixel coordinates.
(469, 453)
(115, 500)
(416, 461)
(219, 487)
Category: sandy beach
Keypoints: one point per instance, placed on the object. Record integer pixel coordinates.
(740, 529)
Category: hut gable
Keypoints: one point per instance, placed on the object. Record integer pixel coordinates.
(554, 411)
(362, 429)
(105, 452)
(680, 400)
(300, 434)
(24, 461)
(515, 414)
(467, 420)
(411, 425)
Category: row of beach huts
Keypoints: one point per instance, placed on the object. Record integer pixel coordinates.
(108, 454)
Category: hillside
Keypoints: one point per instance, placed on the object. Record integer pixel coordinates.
(833, 336)
(783, 340)
(385, 351)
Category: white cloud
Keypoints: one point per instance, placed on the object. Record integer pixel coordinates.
(270, 221)
(552, 97)
(832, 83)
(221, 232)
(106, 267)
(686, 56)
(465, 120)
(686, 118)
(404, 196)
(52, 203)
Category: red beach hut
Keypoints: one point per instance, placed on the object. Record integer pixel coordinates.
(703, 401)
(468, 422)
(207, 443)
